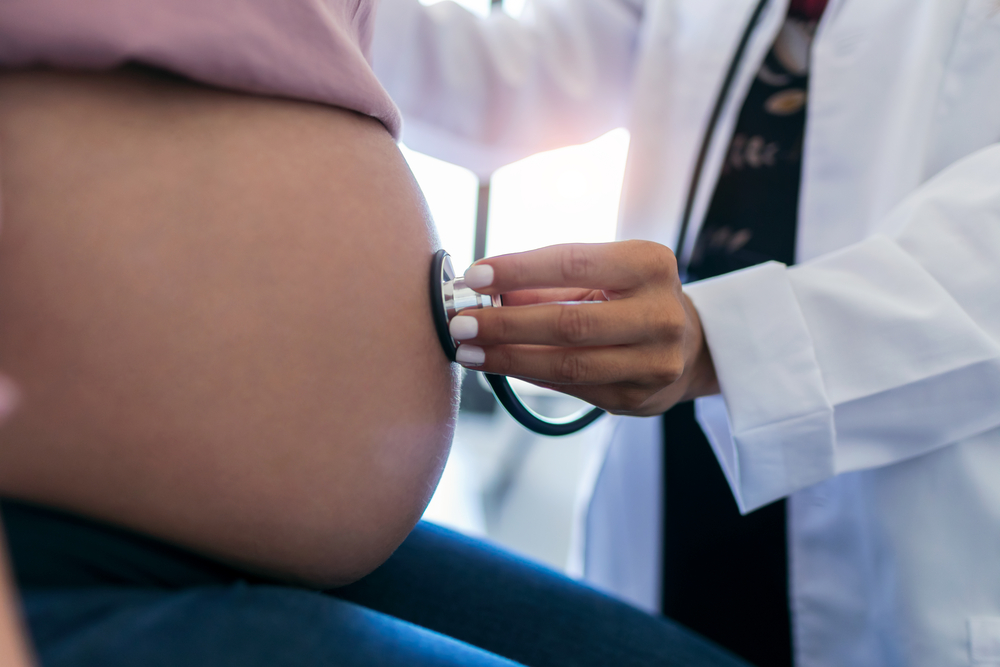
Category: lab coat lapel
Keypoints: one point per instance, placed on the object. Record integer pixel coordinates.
(686, 48)
(670, 107)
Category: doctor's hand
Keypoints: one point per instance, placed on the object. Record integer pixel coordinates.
(607, 323)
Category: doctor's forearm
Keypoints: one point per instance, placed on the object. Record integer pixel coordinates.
(898, 335)
(516, 87)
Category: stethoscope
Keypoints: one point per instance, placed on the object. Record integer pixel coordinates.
(450, 295)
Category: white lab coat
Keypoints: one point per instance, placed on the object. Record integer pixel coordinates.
(862, 384)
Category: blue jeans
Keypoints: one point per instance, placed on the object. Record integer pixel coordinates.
(111, 598)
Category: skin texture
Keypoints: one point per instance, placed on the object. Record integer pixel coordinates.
(215, 307)
(635, 347)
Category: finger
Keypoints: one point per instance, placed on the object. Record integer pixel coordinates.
(576, 366)
(620, 267)
(597, 395)
(586, 324)
(621, 398)
(530, 297)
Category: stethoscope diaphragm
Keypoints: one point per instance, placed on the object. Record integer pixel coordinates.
(449, 296)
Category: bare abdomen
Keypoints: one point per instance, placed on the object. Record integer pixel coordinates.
(215, 306)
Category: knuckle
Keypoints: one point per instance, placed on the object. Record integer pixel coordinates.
(577, 264)
(657, 323)
(628, 400)
(502, 360)
(666, 319)
(671, 325)
(659, 327)
(571, 369)
(498, 326)
(516, 268)
(573, 325)
(668, 260)
(667, 371)
(659, 260)
(637, 399)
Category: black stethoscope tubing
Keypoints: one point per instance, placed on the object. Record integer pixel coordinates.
(504, 393)
(713, 121)
(533, 421)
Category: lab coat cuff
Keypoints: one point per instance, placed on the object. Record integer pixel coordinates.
(772, 428)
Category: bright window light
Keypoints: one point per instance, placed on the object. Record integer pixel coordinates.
(514, 7)
(451, 194)
(568, 195)
(481, 7)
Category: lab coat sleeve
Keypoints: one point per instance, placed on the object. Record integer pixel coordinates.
(878, 353)
(483, 92)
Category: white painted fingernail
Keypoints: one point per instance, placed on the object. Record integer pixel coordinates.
(9, 397)
(478, 276)
(470, 355)
(464, 327)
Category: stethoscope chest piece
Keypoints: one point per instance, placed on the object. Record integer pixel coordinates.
(449, 296)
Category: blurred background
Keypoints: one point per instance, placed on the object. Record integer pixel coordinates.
(502, 482)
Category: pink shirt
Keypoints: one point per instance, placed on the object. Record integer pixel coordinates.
(315, 50)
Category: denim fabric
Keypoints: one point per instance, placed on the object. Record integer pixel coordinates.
(99, 596)
(237, 625)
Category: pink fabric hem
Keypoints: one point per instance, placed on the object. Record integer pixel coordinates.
(313, 50)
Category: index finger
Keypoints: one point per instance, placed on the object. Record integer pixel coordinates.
(531, 297)
(618, 266)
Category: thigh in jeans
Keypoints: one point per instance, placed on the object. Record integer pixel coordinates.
(490, 598)
(237, 625)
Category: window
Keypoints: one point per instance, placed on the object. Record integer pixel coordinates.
(518, 488)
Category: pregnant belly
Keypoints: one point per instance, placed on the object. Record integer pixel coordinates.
(215, 307)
